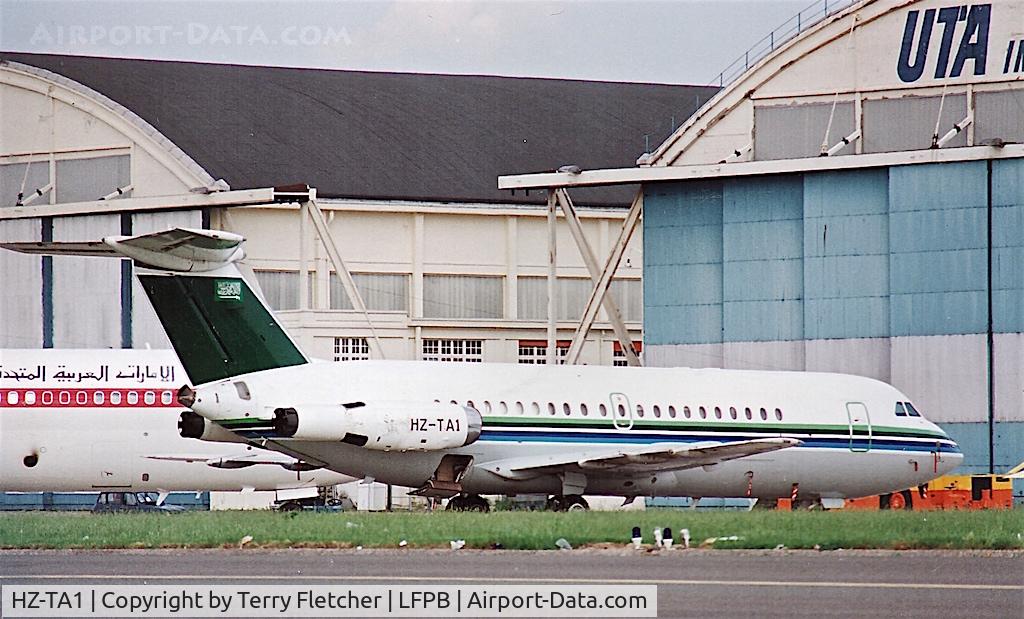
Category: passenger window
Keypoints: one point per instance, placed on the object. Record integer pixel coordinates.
(639, 410)
(166, 398)
(133, 398)
(566, 408)
(621, 410)
(732, 412)
(912, 411)
(749, 414)
(502, 408)
(534, 408)
(30, 398)
(603, 410)
(703, 413)
(470, 404)
(686, 412)
(150, 398)
(718, 413)
(551, 408)
(487, 407)
(764, 415)
(519, 408)
(900, 411)
(583, 409)
(672, 411)
(97, 398)
(778, 414)
(657, 411)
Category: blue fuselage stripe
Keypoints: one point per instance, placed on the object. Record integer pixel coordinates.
(626, 437)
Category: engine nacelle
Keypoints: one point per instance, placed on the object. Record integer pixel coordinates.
(382, 426)
(225, 401)
(194, 425)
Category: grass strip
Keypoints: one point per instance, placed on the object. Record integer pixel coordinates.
(514, 530)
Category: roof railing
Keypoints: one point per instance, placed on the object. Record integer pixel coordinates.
(774, 39)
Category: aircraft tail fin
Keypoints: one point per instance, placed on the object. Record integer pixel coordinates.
(217, 324)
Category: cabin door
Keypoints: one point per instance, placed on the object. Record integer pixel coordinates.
(622, 412)
(860, 426)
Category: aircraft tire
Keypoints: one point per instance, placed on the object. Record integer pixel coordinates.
(290, 506)
(897, 501)
(575, 503)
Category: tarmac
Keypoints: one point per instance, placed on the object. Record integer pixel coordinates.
(691, 583)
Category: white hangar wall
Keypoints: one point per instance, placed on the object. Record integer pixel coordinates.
(443, 281)
(908, 272)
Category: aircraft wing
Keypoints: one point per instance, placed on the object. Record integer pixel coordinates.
(658, 457)
(60, 248)
(240, 461)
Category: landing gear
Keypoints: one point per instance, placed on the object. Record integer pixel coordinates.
(897, 500)
(468, 503)
(567, 503)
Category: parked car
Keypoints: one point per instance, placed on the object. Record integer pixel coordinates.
(111, 502)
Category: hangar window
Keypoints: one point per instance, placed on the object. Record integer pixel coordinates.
(536, 351)
(82, 180)
(351, 349)
(619, 355)
(453, 350)
(912, 411)
(463, 296)
(280, 288)
(795, 131)
(900, 411)
(32, 176)
(381, 292)
(907, 123)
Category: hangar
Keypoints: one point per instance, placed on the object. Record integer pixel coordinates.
(450, 267)
(851, 201)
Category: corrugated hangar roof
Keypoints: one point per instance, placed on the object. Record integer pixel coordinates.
(357, 134)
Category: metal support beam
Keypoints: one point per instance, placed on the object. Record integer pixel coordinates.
(552, 353)
(316, 216)
(610, 307)
(601, 288)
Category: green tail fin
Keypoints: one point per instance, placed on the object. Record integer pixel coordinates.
(217, 325)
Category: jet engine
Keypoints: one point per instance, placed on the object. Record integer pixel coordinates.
(193, 425)
(382, 426)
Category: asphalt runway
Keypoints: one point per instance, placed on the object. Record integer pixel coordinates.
(691, 583)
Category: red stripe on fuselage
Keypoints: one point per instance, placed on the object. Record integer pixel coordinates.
(87, 398)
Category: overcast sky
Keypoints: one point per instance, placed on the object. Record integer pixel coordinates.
(681, 41)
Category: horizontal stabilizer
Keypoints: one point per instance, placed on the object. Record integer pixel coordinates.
(658, 457)
(177, 249)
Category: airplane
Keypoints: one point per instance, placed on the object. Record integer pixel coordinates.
(458, 430)
(101, 420)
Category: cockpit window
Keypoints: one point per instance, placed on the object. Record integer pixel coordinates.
(900, 411)
(912, 411)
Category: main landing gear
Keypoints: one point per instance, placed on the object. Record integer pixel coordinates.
(468, 503)
(567, 503)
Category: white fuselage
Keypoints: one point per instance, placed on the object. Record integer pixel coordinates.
(90, 420)
(853, 443)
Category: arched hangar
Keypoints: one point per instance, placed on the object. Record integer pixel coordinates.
(852, 200)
